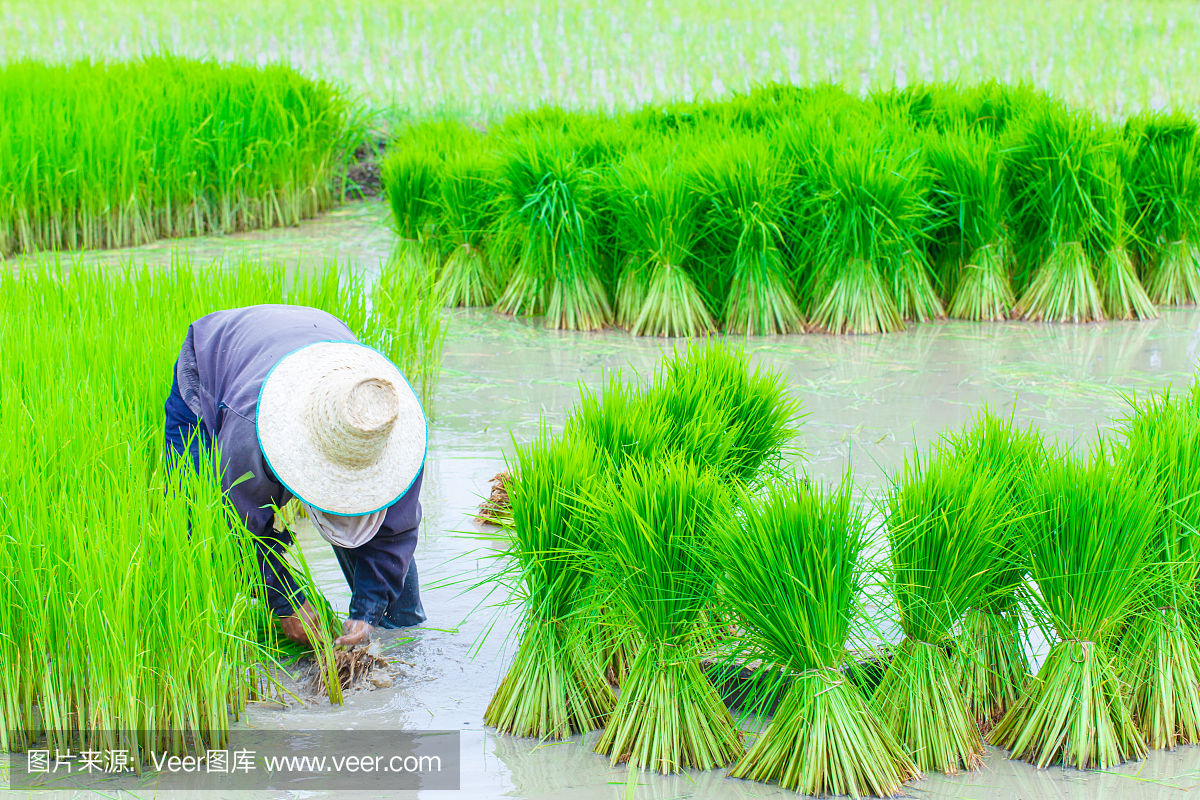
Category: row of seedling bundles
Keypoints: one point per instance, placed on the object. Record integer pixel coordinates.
(659, 544)
(807, 209)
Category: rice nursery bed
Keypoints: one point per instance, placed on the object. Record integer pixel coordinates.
(102, 155)
(128, 606)
(658, 544)
(791, 209)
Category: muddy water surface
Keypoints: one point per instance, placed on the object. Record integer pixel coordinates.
(868, 399)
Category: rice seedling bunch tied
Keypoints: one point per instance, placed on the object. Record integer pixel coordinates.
(969, 197)
(791, 574)
(660, 221)
(549, 192)
(1086, 538)
(620, 423)
(554, 687)
(1121, 292)
(1164, 181)
(989, 653)
(1057, 161)
(871, 210)
(96, 155)
(744, 182)
(739, 421)
(944, 520)
(658, 550)
(466, 211)
(411, 175)
(1160, 443)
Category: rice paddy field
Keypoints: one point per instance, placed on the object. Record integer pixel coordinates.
(842, 362)
(481, 60)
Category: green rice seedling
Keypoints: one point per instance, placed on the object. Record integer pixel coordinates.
(1086, 540)
(969, 197)
(1121, 293)
(1159, 654)
(944, 520)
(989, 652)
(1057, 162)
(792, 575)
(554, 687)
(870, 209)
(660, 221)
(1164, 182)
(737, 421)
(743, 184)
(620, 423)
(466, 206)
(98, 155)
(657, 551)
(410, 181)
(548, 193)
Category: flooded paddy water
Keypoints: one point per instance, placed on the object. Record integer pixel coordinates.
(868, 398)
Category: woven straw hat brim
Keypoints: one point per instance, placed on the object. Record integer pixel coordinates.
(285, 431)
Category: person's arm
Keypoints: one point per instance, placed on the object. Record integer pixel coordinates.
(253, 491)
(283, 591)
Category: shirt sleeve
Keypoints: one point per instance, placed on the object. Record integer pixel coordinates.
(380, 565)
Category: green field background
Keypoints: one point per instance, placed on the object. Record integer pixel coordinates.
(483, 58)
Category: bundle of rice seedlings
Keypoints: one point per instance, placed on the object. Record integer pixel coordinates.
(719, 412)
(943, 519)
(619, 423)
(466, 208)
(411, 176)
(1159, 647)
(869, 209)
(791, 575)
(1056, 162)
(554, 687)
(1121, 293)
(912, 286)
(548, 193)
(989, 652)
(660, 220)
(743, 183)
(970, 200)
(658, 528)
(1086, 540)
(1164, 181)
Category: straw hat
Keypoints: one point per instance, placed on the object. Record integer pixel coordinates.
(341, 428)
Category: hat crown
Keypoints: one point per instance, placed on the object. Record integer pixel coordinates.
(352, 418)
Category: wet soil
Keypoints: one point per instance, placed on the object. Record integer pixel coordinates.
(363, 176)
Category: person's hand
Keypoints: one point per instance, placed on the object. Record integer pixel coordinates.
(294, 627)
(354, 631)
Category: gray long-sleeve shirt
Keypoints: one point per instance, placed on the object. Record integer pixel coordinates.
(225, 358)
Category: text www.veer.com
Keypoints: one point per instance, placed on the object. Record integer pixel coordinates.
(352, 763)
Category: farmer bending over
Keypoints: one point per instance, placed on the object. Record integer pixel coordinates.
(296, 405)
